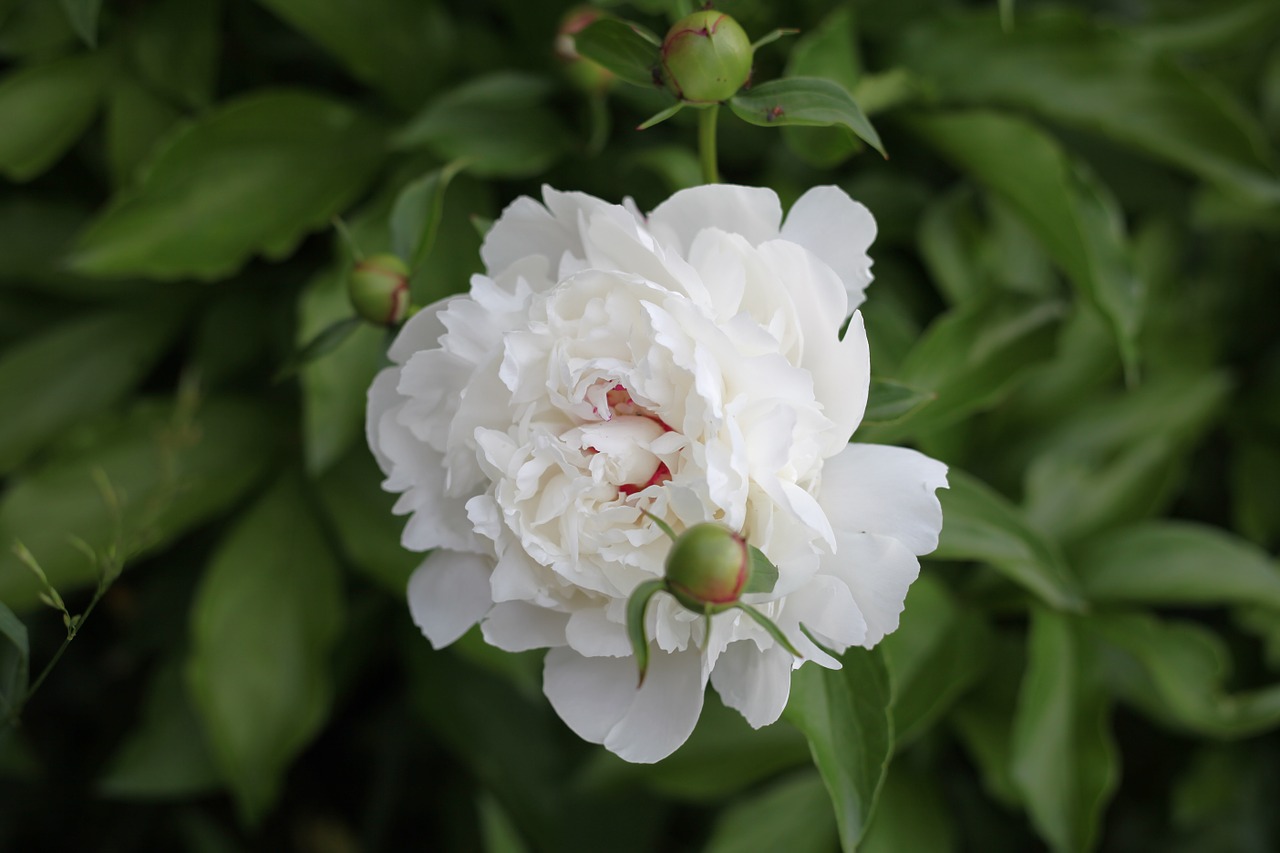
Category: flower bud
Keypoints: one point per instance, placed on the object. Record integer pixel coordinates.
(582, 72)
(706, 57)
(708, 567)
(379, 289)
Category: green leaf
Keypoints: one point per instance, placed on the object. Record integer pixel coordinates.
(829, 51)
(807, 102)
(1174, 672)
(165, 756)
(845, 714)
(174, 47)
(136, 121)
(44, 109)
(1075, 218)
(1177, 562)
(251, 178)
(499, 833)
(1064, 760)
(169, 475)
(321, 344)
(1255, 469)
(889, 401)
(912, 814)
(637, 604)
(399, 47)
(971, 358)
(793, 814)
(980, 524)
(764, 574)
(15, 661)
(47, 384)
(265, 620)
(83, 15)
(1098, 80)
(497, 124)
(619, 48)
(415, 218)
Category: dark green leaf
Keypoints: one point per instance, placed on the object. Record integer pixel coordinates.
(764, 574)
(1096, 79)
(136, 120)
(174, 46)
(678, 167)
(44, 109)
(499, 833)
(153, 460)
(637, 605)
(889, 401)
(264, 623)
(1074, 217)
(1255, 470)
(845, 714)
(415, 218)
(321, 344)
(1064, 760)
(165, 756)
(793, 814)
(1176, 562)
(497, 124)
(980, 524)
(807, 102)
(47, 384)
(912, 814)
(83, 15)
(15, 661)
(252, 177)
(829, 51)
(619, 48)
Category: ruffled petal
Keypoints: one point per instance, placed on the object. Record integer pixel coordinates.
(448, 594)
(756, 684)
(878, 571)
(888, 491)
(516, 626)
(753, 212)
(838, 230)
(664, 711)
(382, 397)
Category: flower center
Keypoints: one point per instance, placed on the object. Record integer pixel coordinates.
(621, 441)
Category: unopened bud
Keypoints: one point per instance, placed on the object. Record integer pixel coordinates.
(379, 289)
(708, 568)
(706, 57)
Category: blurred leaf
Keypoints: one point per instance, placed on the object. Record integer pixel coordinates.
(47, 384)
(1212, 26)
(496, 123)
(15, 661)
(1073, 215)
(359, 514)
(949, 237)
(1174, 672)
(500, 835)
(45, 108)
(983, 719)
(912, 815)
(1072, 72)
(980, 524)
(319, 345)
(136, 120)
(264, 623)
(393, 45)
(845, 714)
(1117, 458)
(619, 48)
(1176, 562)
(889, 401)
(415, 217)
(970, 358)
(804, 101)
(174, 45)
(165, 755)
(83, 15)
(1064, 760)
(252, 177)
(677, 166)
(1255, 471)
(938, 652)
(36, 30)
(169, 478)
(829, 51)
(793, 814)
(37, 229)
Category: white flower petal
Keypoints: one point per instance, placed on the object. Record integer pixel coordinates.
(756, 684)
(888, 491)
(382, 397)
(448, 594)
(516, 626)
(591, 634)
(878, 571)
(590, 694)
(837, 229)
(664, 711)
(753, 212)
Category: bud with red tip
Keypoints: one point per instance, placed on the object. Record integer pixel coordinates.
(379, 289)
(706, 57)
(708, 568)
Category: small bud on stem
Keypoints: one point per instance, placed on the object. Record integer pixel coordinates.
(379, 289)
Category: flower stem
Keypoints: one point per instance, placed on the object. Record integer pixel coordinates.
(707, 143)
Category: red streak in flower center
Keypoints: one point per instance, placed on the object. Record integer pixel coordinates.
(661, 475)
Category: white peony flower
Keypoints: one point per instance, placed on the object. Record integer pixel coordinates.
(689, 363)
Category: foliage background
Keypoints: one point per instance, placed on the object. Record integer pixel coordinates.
(1075, 307)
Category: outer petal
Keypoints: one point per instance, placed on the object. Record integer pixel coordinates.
(888, 491)
(590, 694)
(516, 626)
(527, 228)
(878, 571)
(382, 397)
(753, 212)
(752, 682)
(448, 594)
(837, 229)
(665, 709)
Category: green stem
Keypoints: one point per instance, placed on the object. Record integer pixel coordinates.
(707, 143)
(72, 631)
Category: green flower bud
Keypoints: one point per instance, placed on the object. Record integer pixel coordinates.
(708, 568)
(379, 289)
(706, 57)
